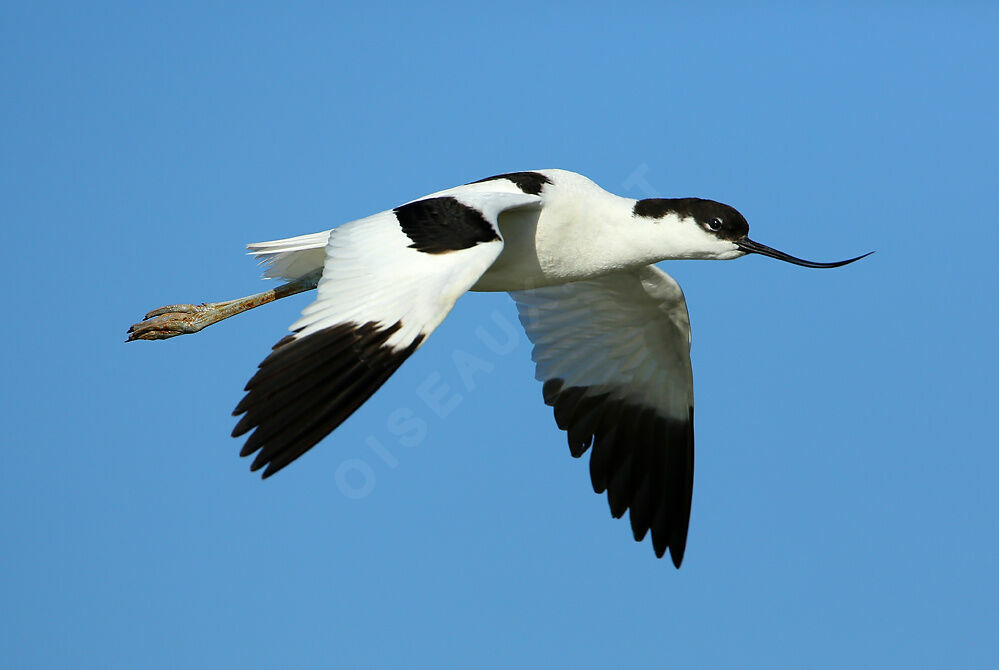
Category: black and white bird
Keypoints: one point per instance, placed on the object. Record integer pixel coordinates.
(610, 330)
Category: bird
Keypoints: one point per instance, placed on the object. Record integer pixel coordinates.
(610, 330)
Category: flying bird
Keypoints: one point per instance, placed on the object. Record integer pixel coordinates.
(610, 330)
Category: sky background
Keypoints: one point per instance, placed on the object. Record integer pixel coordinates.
(845, 503)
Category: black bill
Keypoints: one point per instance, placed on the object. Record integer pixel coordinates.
(751, 247)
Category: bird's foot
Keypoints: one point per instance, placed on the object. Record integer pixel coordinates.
(173, 320)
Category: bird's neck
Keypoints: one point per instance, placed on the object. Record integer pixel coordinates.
(587, 234)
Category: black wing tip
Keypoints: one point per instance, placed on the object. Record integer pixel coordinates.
(309, 385)
(241, 427)
(676, 550)
(676, 555)
(631, 443)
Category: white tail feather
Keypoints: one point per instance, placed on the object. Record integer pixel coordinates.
(291, 258)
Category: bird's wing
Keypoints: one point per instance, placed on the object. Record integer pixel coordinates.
(387, 282)
(614, 356)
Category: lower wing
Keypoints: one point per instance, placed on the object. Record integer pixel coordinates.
(614, 355)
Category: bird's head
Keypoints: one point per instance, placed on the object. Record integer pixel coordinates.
(712, 230)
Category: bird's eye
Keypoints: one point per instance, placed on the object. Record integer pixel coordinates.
(715, 223)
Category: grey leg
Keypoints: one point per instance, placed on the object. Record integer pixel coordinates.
(174, 320)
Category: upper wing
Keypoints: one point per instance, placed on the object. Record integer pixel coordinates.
(614, 356)
(388, 281)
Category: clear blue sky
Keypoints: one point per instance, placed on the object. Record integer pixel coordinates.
(845, 505)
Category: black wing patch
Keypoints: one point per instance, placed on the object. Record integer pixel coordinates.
(644, 461)
(530, 183)
(308, 386)
(440, 225)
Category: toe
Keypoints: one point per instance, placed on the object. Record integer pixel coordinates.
(172, 309)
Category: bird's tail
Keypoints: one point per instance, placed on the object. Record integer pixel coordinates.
(291, 258)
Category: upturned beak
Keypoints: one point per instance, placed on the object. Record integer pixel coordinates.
(751, 247)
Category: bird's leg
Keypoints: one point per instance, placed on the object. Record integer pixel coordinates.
(174, 320)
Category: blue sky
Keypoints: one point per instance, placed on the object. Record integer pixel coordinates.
(845, 505)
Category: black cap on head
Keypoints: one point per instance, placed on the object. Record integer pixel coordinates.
(716, 218)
